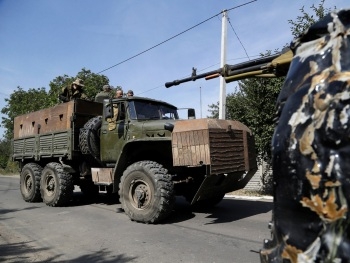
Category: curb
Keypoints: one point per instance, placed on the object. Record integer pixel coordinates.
(252, 198)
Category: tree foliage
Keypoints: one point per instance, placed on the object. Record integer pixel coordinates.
(305, 20)
(5, 147)
(254, 105)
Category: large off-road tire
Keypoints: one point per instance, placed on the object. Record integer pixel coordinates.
(89, 137)
(30, 182)
(56, 185)
(146, 192)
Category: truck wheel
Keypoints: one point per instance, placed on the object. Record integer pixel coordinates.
(146, 192)
(30, 182)
(89, 137)
(56, 185)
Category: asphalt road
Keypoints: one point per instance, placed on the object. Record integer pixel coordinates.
(100, 232)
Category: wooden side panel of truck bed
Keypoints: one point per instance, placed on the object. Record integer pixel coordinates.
(54, 119)
(54, 131)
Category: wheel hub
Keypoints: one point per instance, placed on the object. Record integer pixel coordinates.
(50, 186)
(140, 193)
(28, 183)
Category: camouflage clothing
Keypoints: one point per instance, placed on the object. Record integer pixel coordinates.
(103, 95)
(112, 121)
(71, 93)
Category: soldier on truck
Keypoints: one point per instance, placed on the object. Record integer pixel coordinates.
(106, 93)
(73, 91)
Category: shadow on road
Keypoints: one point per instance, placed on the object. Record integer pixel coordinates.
(182, 212)
(26, 252)
(79, 199)
(22, 252)
(228, 210)
(4, 211)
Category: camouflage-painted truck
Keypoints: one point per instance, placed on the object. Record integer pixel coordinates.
(136, 147)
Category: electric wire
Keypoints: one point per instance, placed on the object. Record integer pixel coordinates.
(234, 31)
(138, 54)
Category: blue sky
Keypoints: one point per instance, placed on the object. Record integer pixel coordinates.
(41, 39)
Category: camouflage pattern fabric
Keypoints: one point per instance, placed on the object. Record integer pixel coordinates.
(112, 122)
(102, 95)
(311, 149)
(68, 93)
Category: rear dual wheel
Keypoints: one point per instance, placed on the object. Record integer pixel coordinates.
(56, 185)
(30, 182)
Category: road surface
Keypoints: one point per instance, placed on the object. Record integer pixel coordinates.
(99, 231)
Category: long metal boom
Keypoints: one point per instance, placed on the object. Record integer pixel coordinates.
(273, 66)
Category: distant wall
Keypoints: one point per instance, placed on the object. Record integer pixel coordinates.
(255, 183)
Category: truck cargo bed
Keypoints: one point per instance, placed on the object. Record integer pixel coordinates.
(52, 132)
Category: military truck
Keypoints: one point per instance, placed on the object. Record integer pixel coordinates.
(136, 147)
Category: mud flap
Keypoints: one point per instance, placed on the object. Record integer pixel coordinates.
(102, 176)
(214, 185)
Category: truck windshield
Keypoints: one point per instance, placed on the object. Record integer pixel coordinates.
(149, 110)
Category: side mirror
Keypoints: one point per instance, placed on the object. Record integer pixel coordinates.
(107, 109)
(191, 114)
(169, 127)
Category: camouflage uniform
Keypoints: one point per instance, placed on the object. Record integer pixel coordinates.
(69, 93)
(112, 122)
(311, 146)
(106, 93)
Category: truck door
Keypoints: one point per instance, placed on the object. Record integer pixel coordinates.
(114, 134)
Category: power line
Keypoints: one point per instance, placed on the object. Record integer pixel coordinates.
(138, 54)
(228, 19)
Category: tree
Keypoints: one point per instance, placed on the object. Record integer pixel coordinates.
(5, 146)
(304, 21)
(254, 106)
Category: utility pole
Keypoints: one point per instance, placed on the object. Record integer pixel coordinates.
(222, 100)
(200, 99)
